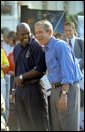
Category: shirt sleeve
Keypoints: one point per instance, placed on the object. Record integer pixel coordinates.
(66, 60)
(39, 58)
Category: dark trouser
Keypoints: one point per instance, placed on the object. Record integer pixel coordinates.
(32, 108)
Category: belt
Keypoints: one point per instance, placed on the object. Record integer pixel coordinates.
(55, 85)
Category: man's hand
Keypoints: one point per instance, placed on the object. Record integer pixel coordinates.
(62, 104)
(18, 81)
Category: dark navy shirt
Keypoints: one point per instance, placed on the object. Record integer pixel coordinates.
(29, 57)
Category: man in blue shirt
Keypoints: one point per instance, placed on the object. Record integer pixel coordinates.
(30, 98)
(64, 75)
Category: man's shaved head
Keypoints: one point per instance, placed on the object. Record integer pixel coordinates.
(23, 26)
(23, 33)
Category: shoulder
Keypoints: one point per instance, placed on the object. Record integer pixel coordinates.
(61, 44)
(17, 48)
(35, 44)
(78, 39)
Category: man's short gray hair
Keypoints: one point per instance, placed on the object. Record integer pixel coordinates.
(23, 25)
(46, 25)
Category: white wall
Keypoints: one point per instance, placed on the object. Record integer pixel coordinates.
(55, 5)
(36, 4)
(74, 7)
(12, 20)
(11, 23)
(80, 26)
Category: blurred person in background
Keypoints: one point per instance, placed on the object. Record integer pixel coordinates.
(4, 126)
(5, 44)
(4, 64)
(8, 45)
(58, 35)
(11, 40)
(77, 44)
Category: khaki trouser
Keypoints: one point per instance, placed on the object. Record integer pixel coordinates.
(69, 120)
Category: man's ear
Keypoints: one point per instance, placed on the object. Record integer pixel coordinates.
(50, 32)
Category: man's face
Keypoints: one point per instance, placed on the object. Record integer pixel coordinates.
(69, 31)
(42, 35)
(23, 36)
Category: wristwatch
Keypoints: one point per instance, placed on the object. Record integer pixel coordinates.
(64, 92)
(21, 77)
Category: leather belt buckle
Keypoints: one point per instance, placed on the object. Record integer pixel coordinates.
(56, 85)
(53, 86)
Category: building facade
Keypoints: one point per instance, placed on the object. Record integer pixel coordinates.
(11, 10)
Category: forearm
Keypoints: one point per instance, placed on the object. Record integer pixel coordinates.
(31, 74)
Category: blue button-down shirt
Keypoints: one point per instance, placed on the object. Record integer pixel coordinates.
(61, 63)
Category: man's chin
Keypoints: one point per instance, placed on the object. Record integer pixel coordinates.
(41, 43)
(24, 43)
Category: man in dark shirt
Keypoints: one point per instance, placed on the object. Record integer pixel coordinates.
(30, 97)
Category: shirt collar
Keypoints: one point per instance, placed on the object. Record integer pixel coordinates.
(50, 43)
(73, 39)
